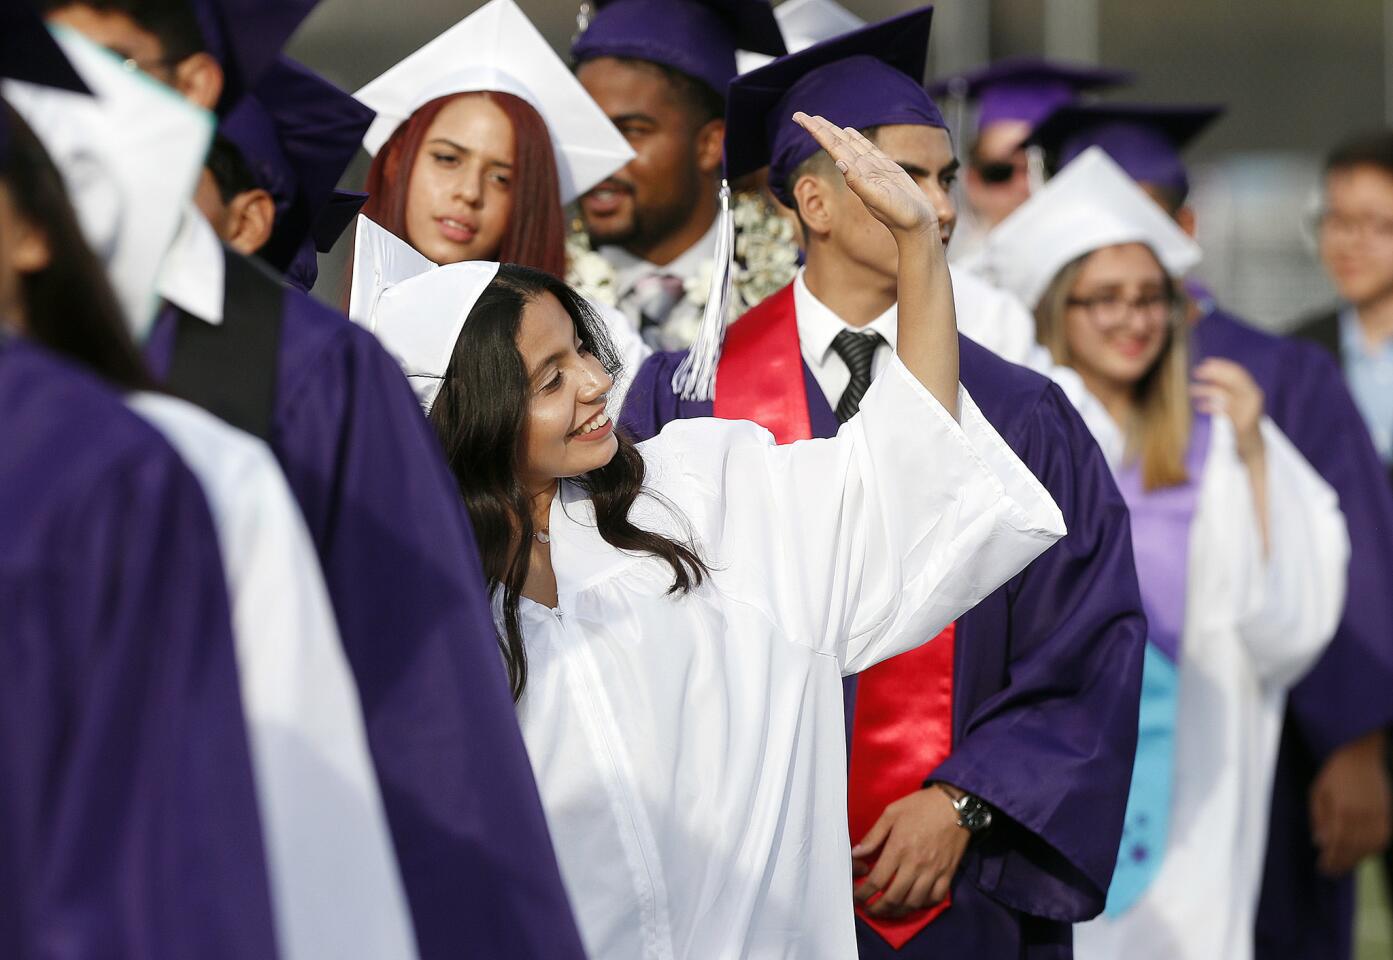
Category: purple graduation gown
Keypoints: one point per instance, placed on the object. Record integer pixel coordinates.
(404, 576)
(1047, 681)
(1302, 914)
(128, 817)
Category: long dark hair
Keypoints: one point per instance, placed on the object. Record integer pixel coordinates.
(69, 305)
(536, 232)
(481, 418)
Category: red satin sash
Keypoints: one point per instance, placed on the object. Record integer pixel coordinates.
(760, 374)
(903, 725)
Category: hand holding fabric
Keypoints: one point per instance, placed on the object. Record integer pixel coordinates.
(920, 847)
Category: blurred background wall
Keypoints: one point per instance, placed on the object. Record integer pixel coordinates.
(1297, 76)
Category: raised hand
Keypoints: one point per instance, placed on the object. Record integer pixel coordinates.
(889, 193)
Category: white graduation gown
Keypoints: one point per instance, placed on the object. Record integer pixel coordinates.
(1253, 626)
(335, 887)
(690, 750)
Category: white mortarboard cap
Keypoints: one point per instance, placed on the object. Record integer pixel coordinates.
(497, 48)
(1088, 205)
(414, 307)
(804, 23)
(130, 156)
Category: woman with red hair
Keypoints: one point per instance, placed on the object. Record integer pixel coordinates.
(482, 136)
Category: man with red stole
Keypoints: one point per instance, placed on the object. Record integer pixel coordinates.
(988, 770)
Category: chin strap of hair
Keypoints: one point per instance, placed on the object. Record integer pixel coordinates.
(695, 378)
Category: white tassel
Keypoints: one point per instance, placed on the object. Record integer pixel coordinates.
(695, 378)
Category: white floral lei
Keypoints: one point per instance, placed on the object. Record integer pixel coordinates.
(766, 260)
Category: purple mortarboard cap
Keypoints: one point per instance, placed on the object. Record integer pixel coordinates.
(697, 37)
(28, 51)
(297, 132)
(246, 37)
(867, 78)
(1026, 89)
(1145, 140)
(332, 221)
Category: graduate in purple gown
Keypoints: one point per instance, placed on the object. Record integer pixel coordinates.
(128, 820)
(1329, 780)
(1045, 673)
(403, 573)
(128, 823)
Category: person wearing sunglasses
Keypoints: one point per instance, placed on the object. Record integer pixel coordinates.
(1013, 97)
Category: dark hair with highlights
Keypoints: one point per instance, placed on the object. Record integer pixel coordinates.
(480, 416)
(69, 305)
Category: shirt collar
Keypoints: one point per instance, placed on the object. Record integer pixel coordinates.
(818, 326)
(1353, 346)
(629, 269)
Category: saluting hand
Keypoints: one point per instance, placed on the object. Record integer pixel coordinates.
(888, 192)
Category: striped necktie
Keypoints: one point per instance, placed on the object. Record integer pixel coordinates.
(857, 350)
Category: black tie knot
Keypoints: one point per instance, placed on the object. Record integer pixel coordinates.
(857, 350)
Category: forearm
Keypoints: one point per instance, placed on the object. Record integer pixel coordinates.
(928, 329)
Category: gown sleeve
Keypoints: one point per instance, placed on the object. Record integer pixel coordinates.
(1290, 601)
(1058, 738)
(334, 879)
(136, 832)
(402, 569)
(868, 543)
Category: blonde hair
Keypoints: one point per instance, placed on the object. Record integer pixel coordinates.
(1159, 432)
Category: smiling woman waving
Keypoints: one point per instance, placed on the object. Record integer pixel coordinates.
(679, 614)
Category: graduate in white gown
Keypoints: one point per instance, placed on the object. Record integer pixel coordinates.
(687, 608)
(334, 883)
(1241, 553)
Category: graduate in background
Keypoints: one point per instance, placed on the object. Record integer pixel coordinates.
(129, 823)
(394, 544)
(659, 70)
(335, 883)
(479, 144)
(1013, 97)
(993, 762)
(478, 147)
(1330, 805)
(683, 709)
(1241, 552)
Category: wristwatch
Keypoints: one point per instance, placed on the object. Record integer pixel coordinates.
(973, 814)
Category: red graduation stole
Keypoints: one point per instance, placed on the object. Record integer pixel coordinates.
(903, 726)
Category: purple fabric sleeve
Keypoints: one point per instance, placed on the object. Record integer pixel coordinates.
(1051, 748)
(128, 819)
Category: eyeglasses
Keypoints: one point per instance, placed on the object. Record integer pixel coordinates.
(997, 172)
(1368, 226)
(1110, 311)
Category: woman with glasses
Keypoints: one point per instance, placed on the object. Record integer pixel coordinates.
(1240, 547)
